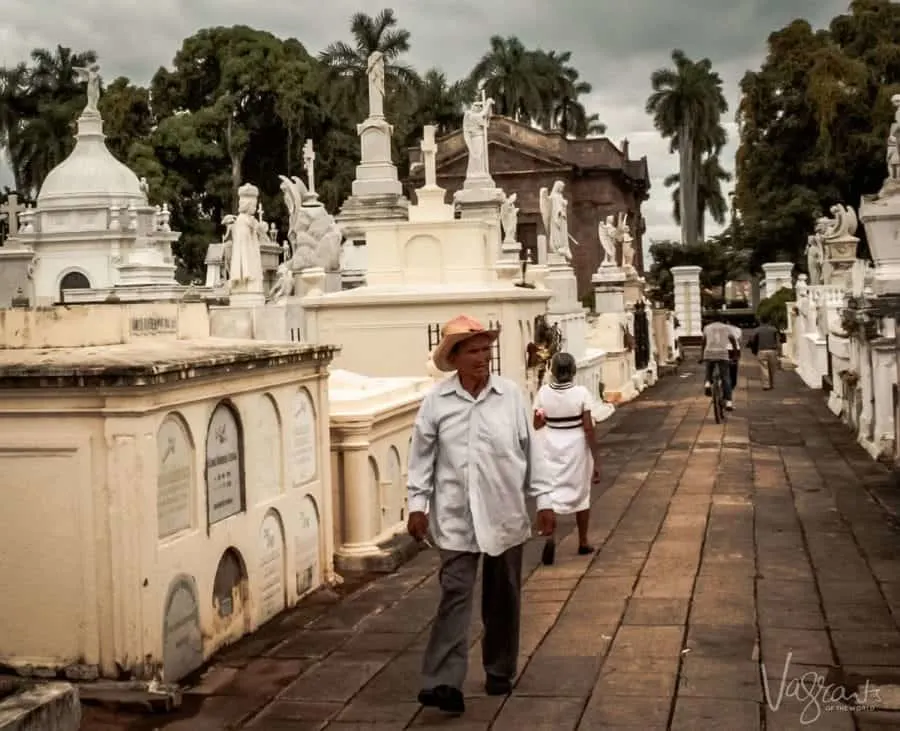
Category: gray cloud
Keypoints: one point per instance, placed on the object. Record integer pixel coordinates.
(615, 45)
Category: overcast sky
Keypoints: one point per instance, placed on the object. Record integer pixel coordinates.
(615, 45)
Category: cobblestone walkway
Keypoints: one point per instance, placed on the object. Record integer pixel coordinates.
(728, 557)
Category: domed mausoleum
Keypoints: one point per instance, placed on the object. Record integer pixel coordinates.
(93, 232)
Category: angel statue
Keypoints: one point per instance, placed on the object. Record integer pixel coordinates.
(893, 143)
(475, 127)
(607, 232)
(284, 283)
(90, 74)
(555, 218)
(509, 216)
(627, 242)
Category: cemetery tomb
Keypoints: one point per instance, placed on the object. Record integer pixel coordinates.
(182, 484)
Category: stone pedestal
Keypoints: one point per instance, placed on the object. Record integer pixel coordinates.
(430, 206)
(840, 256)
(778, 276)
(609, 290)
(687, 300)
(881, 216)
(480, 203)
(376, 174)
(314, 280)
(246, 299)
(561, 281)
(634, 288)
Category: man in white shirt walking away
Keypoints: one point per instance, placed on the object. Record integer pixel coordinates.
(471, 466)
(718, 340)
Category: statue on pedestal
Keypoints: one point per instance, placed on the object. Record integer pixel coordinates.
(893, 143)
(509, 217)
(555, 218)
(314, 236)
(247, 234)
(815, 254)
(607, 232)
(375, 72)
(90, 74)
(843, 225)
(623, 236)
(475, 125)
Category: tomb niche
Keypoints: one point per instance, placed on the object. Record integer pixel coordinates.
(230, 597)
(174, 477)
(267, 444)
(307, 561)
(225, 494)
(272, 570)
(182, 638)
(303, 439)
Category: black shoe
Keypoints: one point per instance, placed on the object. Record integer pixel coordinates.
(549, 553)
(495, 685)
(444, 698)
(585, 550)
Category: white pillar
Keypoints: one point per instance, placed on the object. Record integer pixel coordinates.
(687, 299)
(778, 276)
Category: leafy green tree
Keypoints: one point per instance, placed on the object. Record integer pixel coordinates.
(687, 104)
(127, 117)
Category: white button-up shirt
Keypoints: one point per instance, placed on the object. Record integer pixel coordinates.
(471, 466)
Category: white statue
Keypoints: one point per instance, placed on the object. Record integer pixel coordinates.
(314, 236)
(90, 74)
(145, 187)
(893, 142)
(555, 218)
(509, 217)
(624, 236)
(246, 237)
(607, 232)
(284, 283)
(309, 164)
(844, 223)
(375, 72)
(815, 255)
(475, 127)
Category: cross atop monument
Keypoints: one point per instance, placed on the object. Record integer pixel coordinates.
(11, 210)
(309, 164)
(429, 152)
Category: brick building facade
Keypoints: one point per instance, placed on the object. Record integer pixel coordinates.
(600, 180)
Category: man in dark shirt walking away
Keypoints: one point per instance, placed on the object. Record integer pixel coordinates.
(765, 344)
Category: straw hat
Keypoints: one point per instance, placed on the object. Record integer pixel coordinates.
(455, 331)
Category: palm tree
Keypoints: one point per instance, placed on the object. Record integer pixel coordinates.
(561, 89)
(439, 103)
(15, 108)
(350, 62)
(513, 77)
(687, 105)
(709, 194)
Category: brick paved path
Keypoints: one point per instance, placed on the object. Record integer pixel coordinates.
(721, 549)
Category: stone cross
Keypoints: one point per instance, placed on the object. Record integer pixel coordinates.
(12, 209)
(429, 151)
(309, 164)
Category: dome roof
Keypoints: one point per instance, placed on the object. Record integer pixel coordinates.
(90, 176)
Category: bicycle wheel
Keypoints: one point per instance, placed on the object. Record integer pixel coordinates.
(718, 400)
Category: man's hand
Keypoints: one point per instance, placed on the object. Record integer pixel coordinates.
(546, 522)
(417, 525)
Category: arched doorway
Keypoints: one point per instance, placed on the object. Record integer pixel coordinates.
(73, 280)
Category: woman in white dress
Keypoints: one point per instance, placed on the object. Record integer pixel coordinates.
(565, 431)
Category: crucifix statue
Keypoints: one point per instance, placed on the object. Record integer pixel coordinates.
(11, 210)
(309, 164)
(429, 151)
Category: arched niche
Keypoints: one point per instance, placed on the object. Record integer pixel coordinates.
(304, 439)
(267, 483)
(423, 256)
(225, 495)
(307, 547)
(271, 590)
(394, 503)
(73, 279)
(182, 637)
(174, 476)
(230, 599)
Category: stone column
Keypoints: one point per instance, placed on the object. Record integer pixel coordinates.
(778, 276)
(359, 519)
(609, 290)
(688, 308)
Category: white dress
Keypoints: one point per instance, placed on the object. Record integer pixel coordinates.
(565, 447)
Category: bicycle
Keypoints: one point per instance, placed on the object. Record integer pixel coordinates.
(718, 393)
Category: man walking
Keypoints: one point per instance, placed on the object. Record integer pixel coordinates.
(765, 344)
(735, 355)
(471, 466)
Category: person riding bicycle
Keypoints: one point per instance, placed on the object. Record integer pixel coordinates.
(718, 339)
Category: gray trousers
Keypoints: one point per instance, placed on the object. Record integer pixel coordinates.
(447, 654)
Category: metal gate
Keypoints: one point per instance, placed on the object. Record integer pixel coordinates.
(434, 337)
(641, 336)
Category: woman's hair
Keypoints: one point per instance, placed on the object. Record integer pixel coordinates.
(563, 368)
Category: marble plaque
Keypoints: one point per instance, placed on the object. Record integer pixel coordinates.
(174, 477)
(267, 455)
(182, 639)
(153, 325)
(224, 466)
(303, 457)
(306, 547)
(271, 597)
